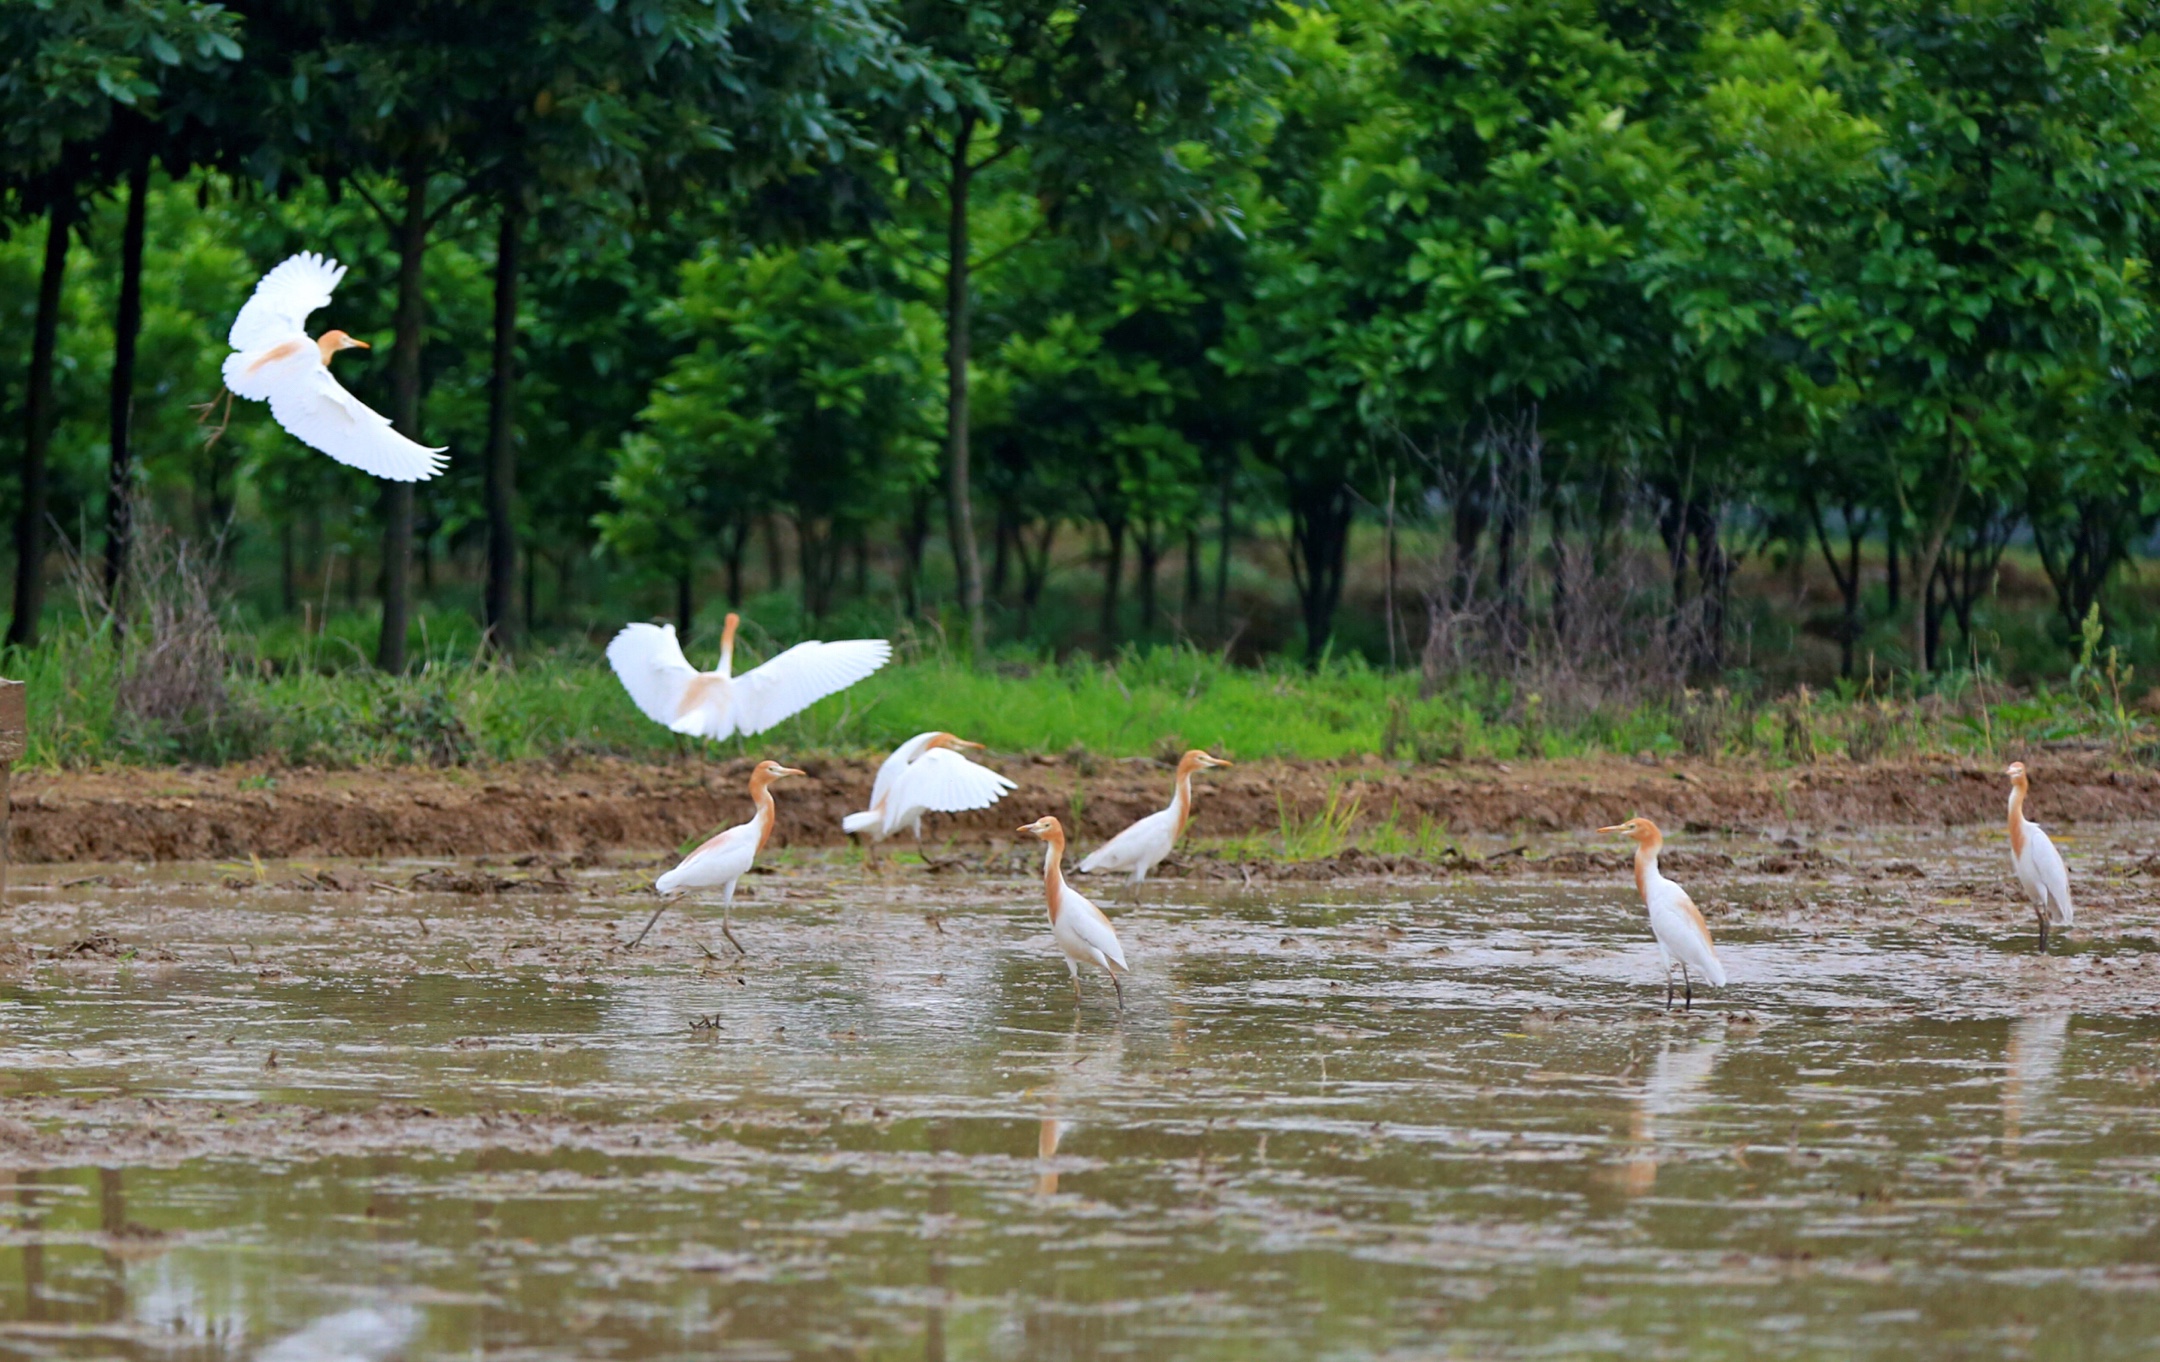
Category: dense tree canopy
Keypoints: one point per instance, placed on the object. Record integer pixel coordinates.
(1595, 308)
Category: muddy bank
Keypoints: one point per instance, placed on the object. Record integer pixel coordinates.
(599, 806)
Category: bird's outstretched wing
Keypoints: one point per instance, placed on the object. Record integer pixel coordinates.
(802, 676)
(943, 781)
(651, 666)
(283, 298)
(318, 411)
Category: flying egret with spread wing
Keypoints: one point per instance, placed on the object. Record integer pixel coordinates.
(1683, 938)
(925, 774)
(274, 360)
(718, 704)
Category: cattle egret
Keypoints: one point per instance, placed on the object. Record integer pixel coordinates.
(925, 774)
(2038, 864)
(274, 360)
(716, 704)
(1683, 938)
(1081, 930)
(1141, 847)
(727, 856)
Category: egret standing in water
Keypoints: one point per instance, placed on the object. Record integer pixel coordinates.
(1142, 847)
(1081, 930)
(925, 774)
(2038, 864)
(275, 360)
(719, 704)
(727, 856)
(1683, 938)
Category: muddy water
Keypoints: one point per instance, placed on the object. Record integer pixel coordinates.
(1358, 1120)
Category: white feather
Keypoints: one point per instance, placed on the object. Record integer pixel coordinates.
(1140, 848)
(2045, 878)
(722, 860)
(278, 309)
(275, 361)
(1084, 934)
(918, 779)
(802, 676)
(317, 411)
(651, 666)
(1680, 938)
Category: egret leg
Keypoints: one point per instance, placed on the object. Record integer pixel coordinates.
(1689, 980)
(648, 925)
(1120, 987)
(1074, 971)
(1668, 988)
(2043, 929)
(727, 914)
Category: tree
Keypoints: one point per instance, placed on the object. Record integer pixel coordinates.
(1104, 109)
(78, 83)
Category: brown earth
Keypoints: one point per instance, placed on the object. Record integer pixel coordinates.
(597, 806)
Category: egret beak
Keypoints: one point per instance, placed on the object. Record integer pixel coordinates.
(1617, 827)
(354, 343)
(1218, 761)
(787, 771)
(963, 742)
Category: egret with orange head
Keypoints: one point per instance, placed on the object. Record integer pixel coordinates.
(2038, 864)
(1142, 847)
(717, 704)
(727, 856)
(925, 774)
(1683, 938)
(1080, 928)
(275, 360)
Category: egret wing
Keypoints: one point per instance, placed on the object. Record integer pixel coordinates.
(943, 781)
(318, 411)
(1089, 924)
(283, 298)
(651, 666)
(1123, 851)
(893, 765)
(2053, 875)
(802, 676)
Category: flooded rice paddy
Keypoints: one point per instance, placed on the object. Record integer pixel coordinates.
(303, 1113)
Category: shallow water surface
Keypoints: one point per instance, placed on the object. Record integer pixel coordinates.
(1360, 1120)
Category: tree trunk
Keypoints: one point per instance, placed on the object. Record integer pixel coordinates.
(1147, 541)
(407, 336)
(775, 568)
(1034, 570)
(961, 510)
(1320, 540)
(1001, 551)
(502, 438)
(1192, 568)
(127, 328)
(1893, 549)
(912, 539)
(1224, 527)
(1927, 551)
(738, 543)
(685, 601)
(37, 432)
(1113, 577)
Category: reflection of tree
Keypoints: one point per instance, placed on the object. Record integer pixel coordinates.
(1674, 1088)
(2032, 1059)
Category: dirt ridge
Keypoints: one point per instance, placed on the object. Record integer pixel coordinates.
(601, 805)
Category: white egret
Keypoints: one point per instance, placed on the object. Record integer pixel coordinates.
(925, 774)
(2038, 864)
(1081, 930)
(1142, 847)
(717, 704)
(274, 360)
(726, 856)
(1683, 938)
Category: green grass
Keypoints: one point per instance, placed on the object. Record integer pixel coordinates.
(312, 700)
